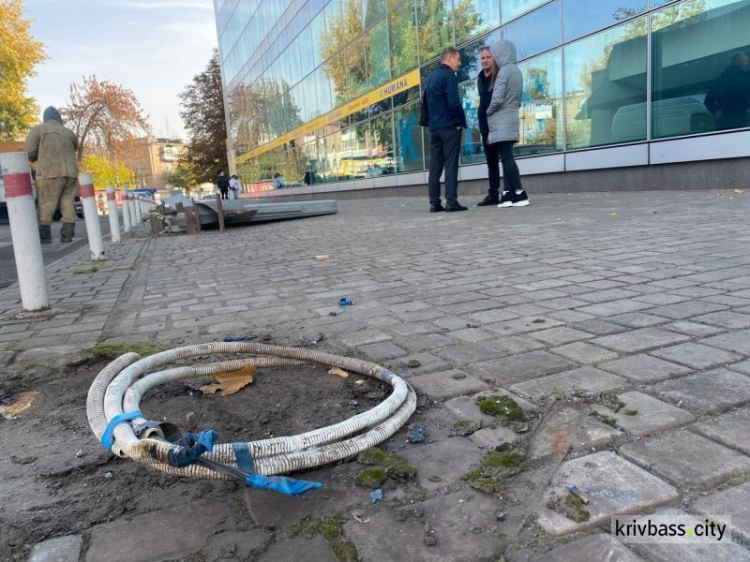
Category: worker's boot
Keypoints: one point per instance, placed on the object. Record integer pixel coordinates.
(45, 234)
(67, 231)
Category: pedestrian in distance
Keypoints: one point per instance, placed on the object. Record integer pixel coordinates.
(487, 74)
(503, 120)
(54, 149)
(223, 184)
(278, 181)
(446, 121)
(729, 95)
(235, 186)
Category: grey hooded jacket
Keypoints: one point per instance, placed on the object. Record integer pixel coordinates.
(502, 114)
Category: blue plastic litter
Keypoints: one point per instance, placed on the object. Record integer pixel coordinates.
(229, 339)
(343, 301)
(282, 484)
(190, 447)
(108, 437)
(376, 495)
(416, 434)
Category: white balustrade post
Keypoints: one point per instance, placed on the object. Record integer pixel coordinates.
(114, 217)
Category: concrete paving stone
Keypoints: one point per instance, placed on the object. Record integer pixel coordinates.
(492, 437)
(676, 552)
(451, 323)
(522, 325)
(382, 351)
(738, 341)
(556, 433)
(569, 316)
(227, 328)
(151, 536)
(713, 391)
(560, 335)
(593, 434)
(365, 337)
(491, 316)
(594, 548)
(412, 329)
(428, 342)
(644, 368)
(548, 294)
(454, 298)
(236, 545)
(730, 429)
(652, 415)
(614, 308)
(585, 353)
(7, 358)
(433, 470)
(509, 370)
(742, 367)
(470, 335)
(381, 321)
(638, 320)
(735, 502)
(696, 356)
(586, 379)
(687, 309)
(726, 319)
(447, 384)
(564, 303)
(692, 329)
(598, 327)
(542, 285)
(464, 408)
(687, 459)
(640, 340)
(302, 548)
(525, 310)
(463, 354)
(23, 327)
(427, 364)
(57, 354)
(63, 549)
(613, 486)
(607, 295)
(466, 308)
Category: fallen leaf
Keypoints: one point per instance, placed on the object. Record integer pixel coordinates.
(23, 403)
(322, 257)
(613, 215)
(338, 372)
(739, 191)
(231, 382)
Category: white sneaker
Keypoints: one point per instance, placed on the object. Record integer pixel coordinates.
(520, 199)
(506, 200)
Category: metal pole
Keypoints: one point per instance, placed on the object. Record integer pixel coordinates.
(93, 228)
(24, 231)
(114, 218)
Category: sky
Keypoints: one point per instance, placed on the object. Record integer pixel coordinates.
(152, 47)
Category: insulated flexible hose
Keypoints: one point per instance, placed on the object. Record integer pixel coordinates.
(112, 408)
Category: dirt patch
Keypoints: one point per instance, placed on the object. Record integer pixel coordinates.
(58, 480)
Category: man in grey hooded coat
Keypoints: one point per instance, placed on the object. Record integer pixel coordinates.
(503, 121)
(53, 147)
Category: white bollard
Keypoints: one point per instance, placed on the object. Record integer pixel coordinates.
(114, 218)
(93, 228)
(24, 231)
(133, 211)
(125, 211)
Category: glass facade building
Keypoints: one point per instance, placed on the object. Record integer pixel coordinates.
(325, 92)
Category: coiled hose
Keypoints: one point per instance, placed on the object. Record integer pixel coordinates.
(118, 389)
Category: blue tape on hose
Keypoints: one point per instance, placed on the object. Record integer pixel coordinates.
(282, 484)
(385, 375)
(108, 438)
(191, 446)
(244, 459)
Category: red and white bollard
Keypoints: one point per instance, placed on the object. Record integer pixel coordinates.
(126, 211)
(93, 228)
(114, 218)
(133, 211)
(24, 231)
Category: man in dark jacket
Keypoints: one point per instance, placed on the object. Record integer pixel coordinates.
(222, 182)
(730, 94)
(446, 121)
(484, 86)
(53, 147)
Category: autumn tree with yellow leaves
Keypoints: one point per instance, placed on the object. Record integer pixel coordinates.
(19, 54)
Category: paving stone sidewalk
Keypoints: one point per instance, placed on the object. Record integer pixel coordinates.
(568, 305)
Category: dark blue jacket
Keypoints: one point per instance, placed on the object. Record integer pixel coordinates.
(443, 103)
(485, 96)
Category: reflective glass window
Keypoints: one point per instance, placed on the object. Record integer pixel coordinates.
(409, 151)
(474, 17)
(536, 32)
(306, 58)
(356, 69)
(510, 9)
(381, 147)
(541, 127)
(700, 74)
(434, 27)
(323, 91)
(470, 60)
(471, 147)
(605, 87)
(378, 59)
(583, 17)
(309, 92)
(402, 33)
(374, 11)
(317, 29)
(335, 69)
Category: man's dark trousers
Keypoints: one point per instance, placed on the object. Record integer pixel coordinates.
(445, 145)
(493, 166)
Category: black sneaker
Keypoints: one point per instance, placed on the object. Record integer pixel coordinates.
(437, 208)
(506, 200)
(455, 207)
(489, 200)
(520, 199)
